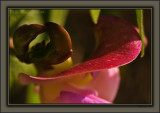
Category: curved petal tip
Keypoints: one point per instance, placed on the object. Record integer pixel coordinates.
(23, 79)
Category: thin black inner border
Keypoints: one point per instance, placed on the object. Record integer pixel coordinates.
(99, 105)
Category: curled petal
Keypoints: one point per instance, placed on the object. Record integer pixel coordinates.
(60, 41)
(23, 36)
(69, 97)
(56, 51)
(119, 44)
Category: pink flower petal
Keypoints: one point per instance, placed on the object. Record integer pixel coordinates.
(106, 83)
(81, 91)
(70, 97)
(119, 44)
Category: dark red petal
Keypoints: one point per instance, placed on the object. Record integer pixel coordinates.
(119, 44)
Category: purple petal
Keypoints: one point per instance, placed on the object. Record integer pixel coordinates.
(69, 97)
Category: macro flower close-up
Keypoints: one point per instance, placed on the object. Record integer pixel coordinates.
(64, 62)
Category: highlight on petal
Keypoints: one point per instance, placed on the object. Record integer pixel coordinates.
(119, 44)
(70, 97)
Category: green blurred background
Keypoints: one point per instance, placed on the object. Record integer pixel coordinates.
(135, 87)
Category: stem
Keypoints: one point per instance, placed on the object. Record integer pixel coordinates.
(139, 13)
